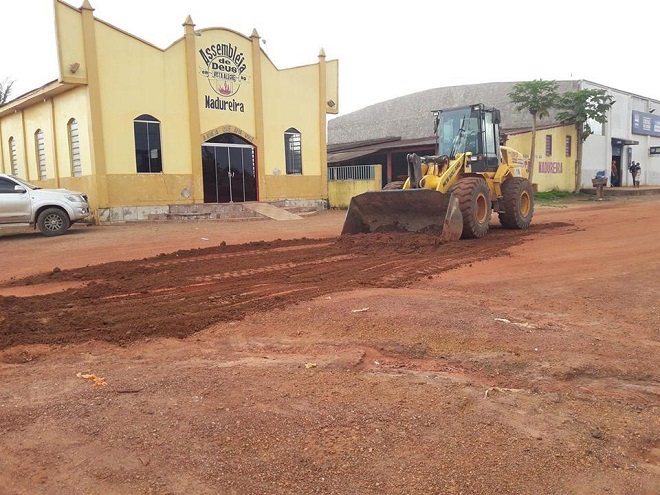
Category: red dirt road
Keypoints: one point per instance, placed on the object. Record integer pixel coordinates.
(273, 357)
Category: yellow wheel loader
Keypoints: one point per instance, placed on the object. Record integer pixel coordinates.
(453, 192)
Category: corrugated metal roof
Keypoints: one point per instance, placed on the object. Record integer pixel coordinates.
(348, 152)
(410, 116)
(344, 156)
(361, 144)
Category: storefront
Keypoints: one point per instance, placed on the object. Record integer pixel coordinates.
(209, 119)
(556, 154)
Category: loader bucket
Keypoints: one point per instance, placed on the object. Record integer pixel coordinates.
(412, 210)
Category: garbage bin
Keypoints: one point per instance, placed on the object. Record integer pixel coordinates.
(599, 183)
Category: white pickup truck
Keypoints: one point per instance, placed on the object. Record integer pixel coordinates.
(52, 210)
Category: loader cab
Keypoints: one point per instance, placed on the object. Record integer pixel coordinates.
(474, 129)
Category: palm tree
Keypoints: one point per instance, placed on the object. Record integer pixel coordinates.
(579, 107)
(537, 97)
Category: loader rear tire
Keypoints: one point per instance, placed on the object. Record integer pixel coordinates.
(518, 202)
(474, 202)
(397, 184)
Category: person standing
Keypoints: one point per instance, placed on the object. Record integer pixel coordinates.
(614, 175)
(636, 173)
(632, 173)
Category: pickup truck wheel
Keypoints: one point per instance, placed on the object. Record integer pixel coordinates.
(53, 221)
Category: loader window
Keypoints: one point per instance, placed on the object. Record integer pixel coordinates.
(471, 129)
(491, 141)
(489, 135)
(469, 136)
(457, 132)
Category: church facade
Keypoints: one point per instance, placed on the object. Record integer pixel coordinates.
(209, 119)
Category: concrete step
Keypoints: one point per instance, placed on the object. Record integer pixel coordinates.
(307, 213)
(272, 211)
(301, 210)
(624, 191)
(234, 212)
(201, 217)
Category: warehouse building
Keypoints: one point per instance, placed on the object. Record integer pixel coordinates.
(386, 132)
(208, 120)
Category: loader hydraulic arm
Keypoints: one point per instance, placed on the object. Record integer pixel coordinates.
(437, 173)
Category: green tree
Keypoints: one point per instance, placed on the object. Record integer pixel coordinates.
(579, 107)
(5, 90)
(536, 97)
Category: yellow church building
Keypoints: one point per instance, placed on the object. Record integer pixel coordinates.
(140, 129)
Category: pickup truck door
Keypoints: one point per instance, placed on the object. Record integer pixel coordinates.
(14, 205)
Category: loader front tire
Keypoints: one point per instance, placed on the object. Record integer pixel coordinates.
(474, 202)
(518, 202)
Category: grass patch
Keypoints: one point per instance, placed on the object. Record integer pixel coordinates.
(557, 198)
(549, 195)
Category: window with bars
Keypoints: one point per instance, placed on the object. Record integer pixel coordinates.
(40, 147)
(293, 151)
(14, 156)
(548, 145)
(148, 155)
(569, 145)
(74, 148)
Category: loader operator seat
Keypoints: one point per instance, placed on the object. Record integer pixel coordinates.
(471, 143)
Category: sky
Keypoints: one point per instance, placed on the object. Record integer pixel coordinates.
(385, 49)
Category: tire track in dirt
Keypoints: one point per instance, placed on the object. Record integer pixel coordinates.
(232, 255)
(211, 281)
(181, 293)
